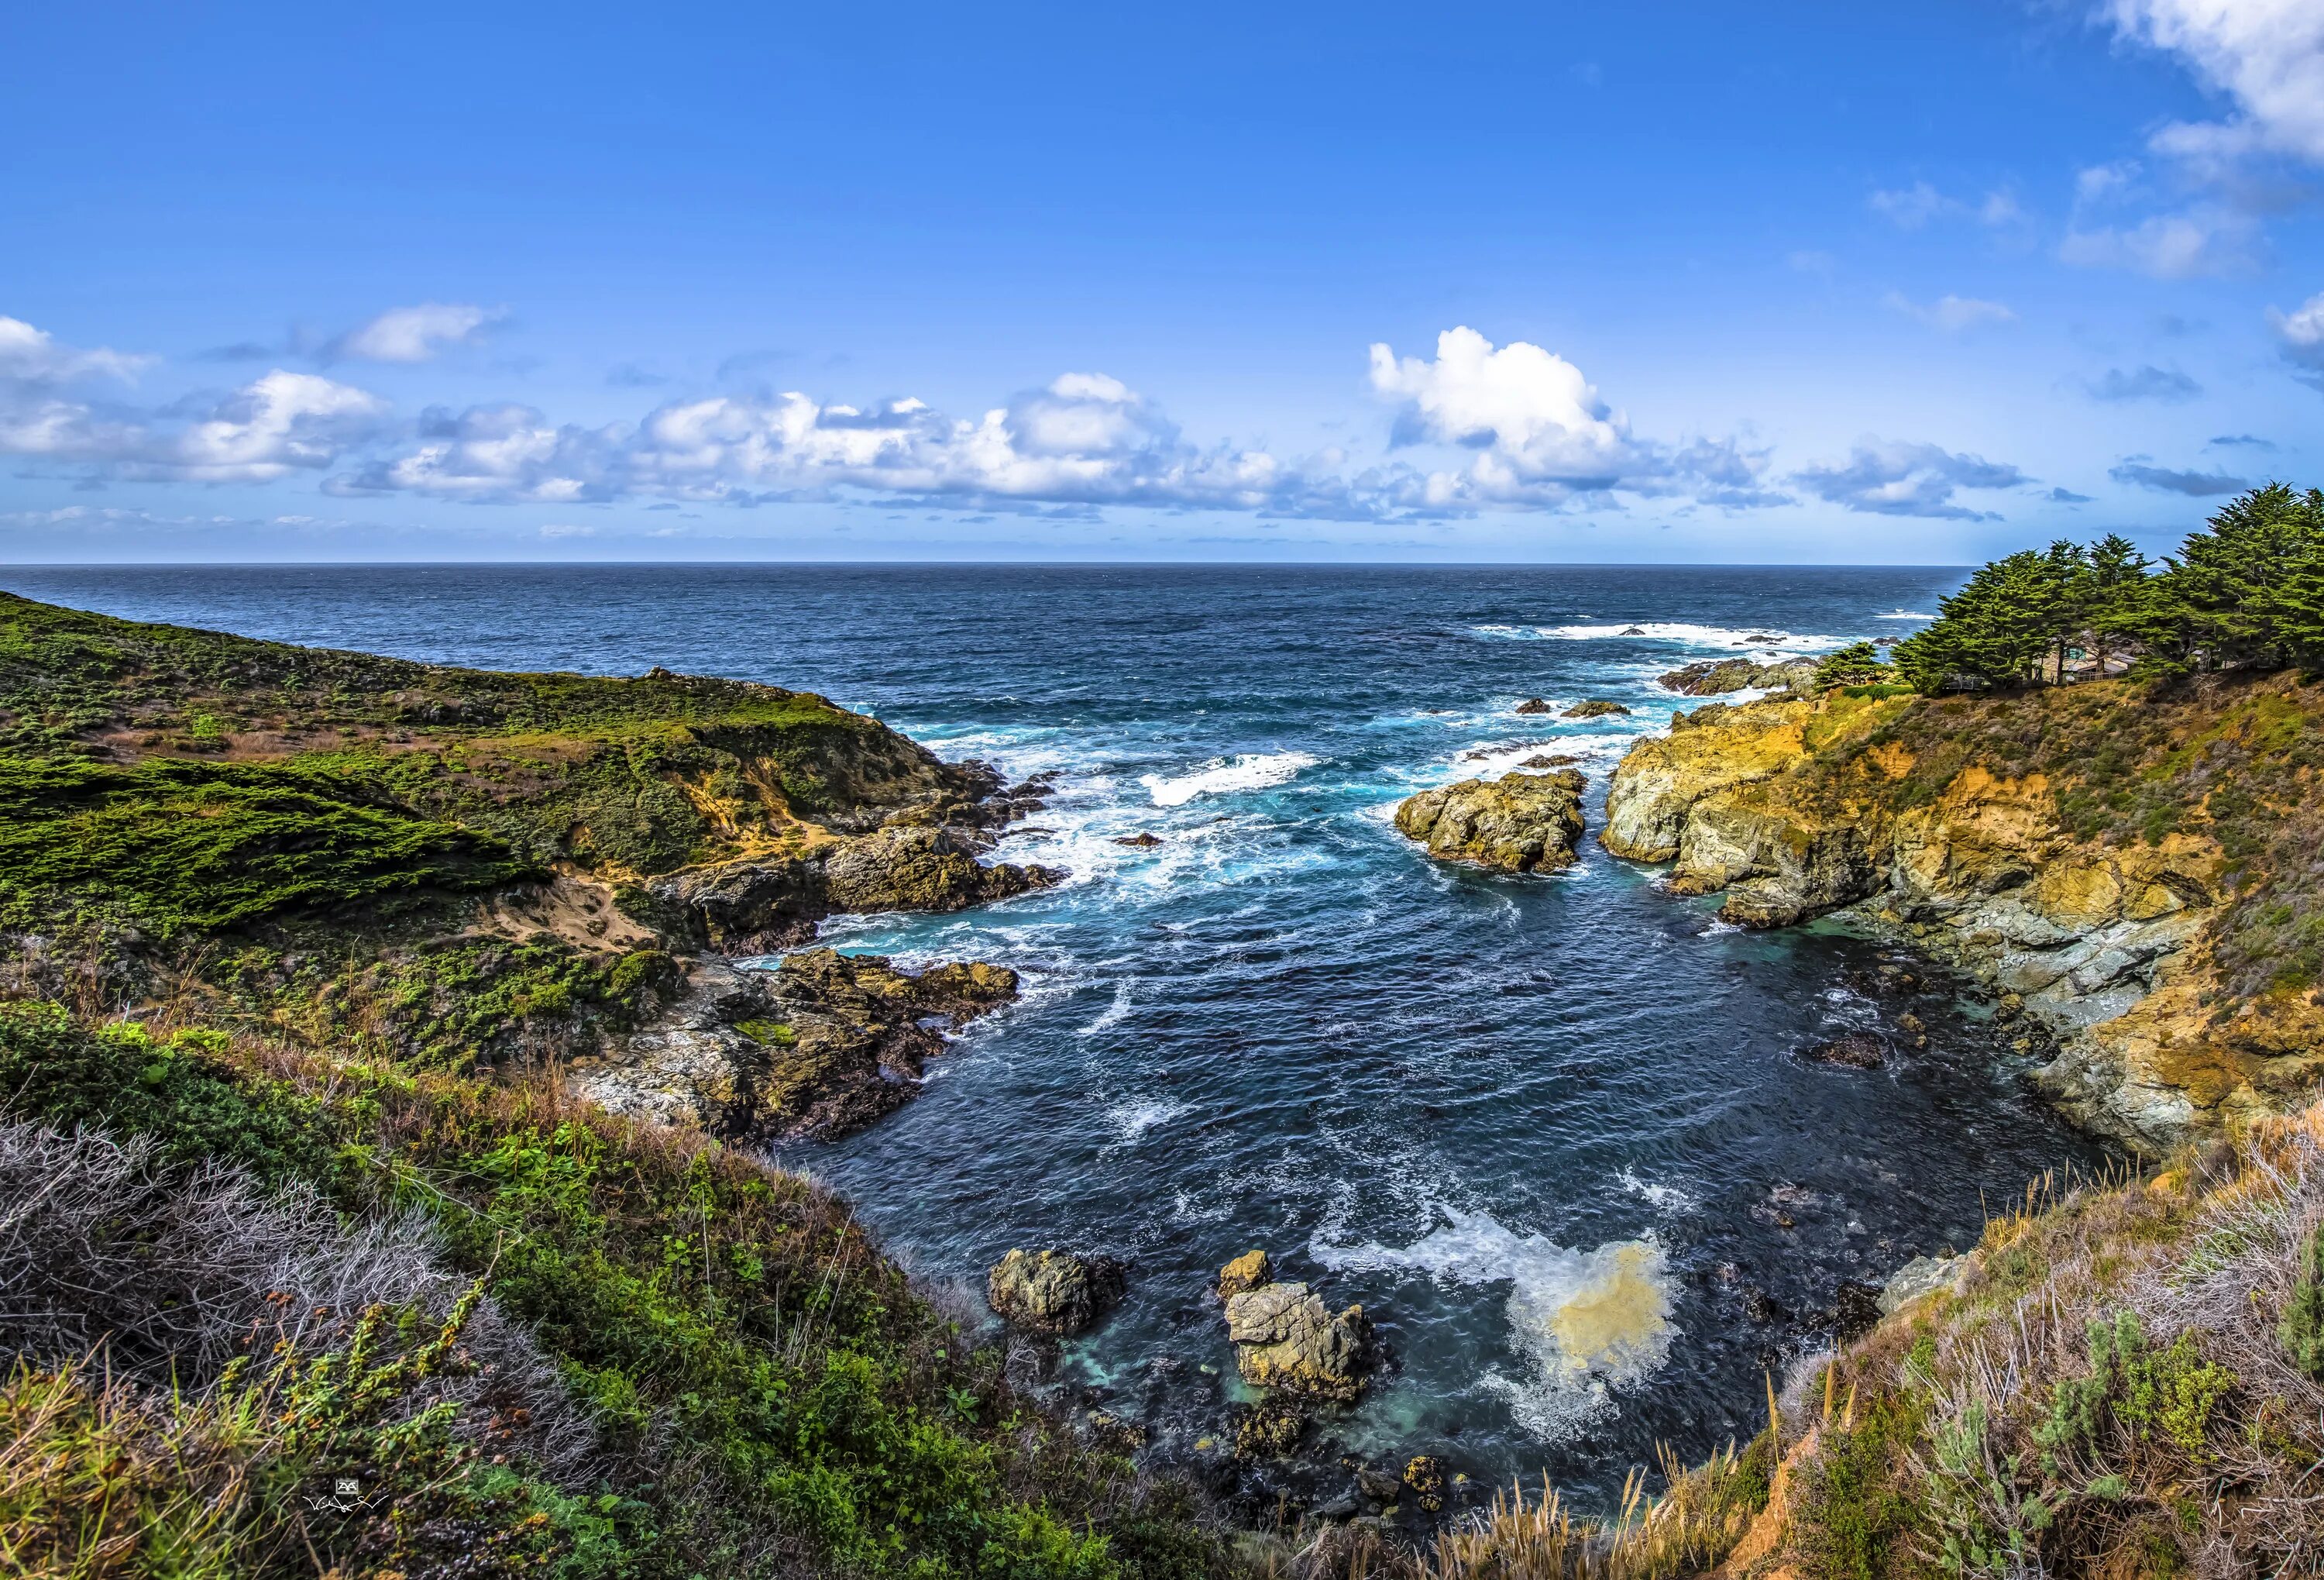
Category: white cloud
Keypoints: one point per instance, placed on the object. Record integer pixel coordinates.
(566, 529)
(30, 354)
(2267, 56)
(1900, 478)
(271, 426)
(1914, 206)
(2203, 239)
(1953, 315)
(1540, 433)
(414, 334)
(2299, 336)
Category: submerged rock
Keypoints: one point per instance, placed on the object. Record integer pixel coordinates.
(1595, 707)
(1858, 1050)
(1286, 1339)
(1522, 822)
(1139, 841)
(1267, 1431)
(1053, 1292)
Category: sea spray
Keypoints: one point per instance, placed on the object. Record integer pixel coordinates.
(1587, 1321)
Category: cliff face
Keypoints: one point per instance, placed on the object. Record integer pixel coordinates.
(2133, 870)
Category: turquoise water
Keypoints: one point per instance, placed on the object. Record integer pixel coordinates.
(1555, 1134)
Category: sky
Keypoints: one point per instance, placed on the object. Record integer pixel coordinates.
(1907, 283)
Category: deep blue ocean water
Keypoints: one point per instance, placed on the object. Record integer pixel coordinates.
(1557, 1135)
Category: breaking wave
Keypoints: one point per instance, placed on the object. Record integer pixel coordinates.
(1251, 771)
(1668, 631)
(1587, 1321)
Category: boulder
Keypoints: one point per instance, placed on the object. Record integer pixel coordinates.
(1534, 705)
(1247, 1271)
(1522, 822)
(1924, 1275)
(1267, 1431)
(1053, 1292)
(1426, 1477)
(1595, 707)
(1286, 1339)
(1858, 1050)
(1139, 841)
(920, 869)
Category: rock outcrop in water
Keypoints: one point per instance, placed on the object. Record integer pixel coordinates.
(1053, 1292)
(1718, 677)
(823, 1045)
(1595, 707)
(1287, 1340)
(1520, 822)
(2070, 848)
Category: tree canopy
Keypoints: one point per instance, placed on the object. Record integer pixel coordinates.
(2244, 592)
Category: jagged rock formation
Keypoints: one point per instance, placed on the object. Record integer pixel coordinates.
(1287, 1340)
(1595, 707)
(1718, 677)
(2105, 928)
(1053, 1292)
(823, 1045)
(1521, 822)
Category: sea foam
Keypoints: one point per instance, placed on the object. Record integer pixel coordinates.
(1670, 631)
(1221, 776)
(1584, 1320)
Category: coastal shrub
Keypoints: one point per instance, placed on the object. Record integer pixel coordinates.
(2302, 1326)
(181, 846)
(1856, 664)
(765, 1382)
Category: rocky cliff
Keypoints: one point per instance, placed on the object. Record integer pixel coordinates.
(2134, 870)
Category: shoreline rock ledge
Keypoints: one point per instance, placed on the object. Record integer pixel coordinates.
(1520, 822)
(1286, 1339)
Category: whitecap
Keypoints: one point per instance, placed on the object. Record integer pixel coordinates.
(1662, 1197)
(1113, 1015)
(1670, 631)
(1587, 1321)
(1133, 1120)
(1250, 771)
(1903, 614)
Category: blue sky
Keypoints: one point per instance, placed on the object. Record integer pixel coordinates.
(1901, 283)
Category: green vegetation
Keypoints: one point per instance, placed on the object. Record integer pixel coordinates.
(759, 1380)
(2247, 593)
(1857, 664)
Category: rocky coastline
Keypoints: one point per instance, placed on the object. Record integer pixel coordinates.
(1918, 819)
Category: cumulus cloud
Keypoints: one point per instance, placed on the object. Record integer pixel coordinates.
(2266, 56)
(1900, 478)
(2138, 472)
(1953, 315)
(1540, 432)
(413, 333)
(274, 425)
(2148, 382)
(2299, 336)
(31, 355)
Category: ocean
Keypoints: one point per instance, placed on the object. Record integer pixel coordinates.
(1557, 1135)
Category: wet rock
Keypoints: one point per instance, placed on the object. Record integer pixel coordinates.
(1534, 705)
(1343, 1507)
(1595, 707)
(1858, 1312)
(1521, 822)
(1550, 760)
(1383, 1486)
(1762, 1307)
(821, 1046)
(1631, 630)
(1286, 1339)
(1267, 1431)
(1858, 1051)
(1053, 1292)
(921, 869)
(1247, 1271)
(1140, 841)
(1426, 1477)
